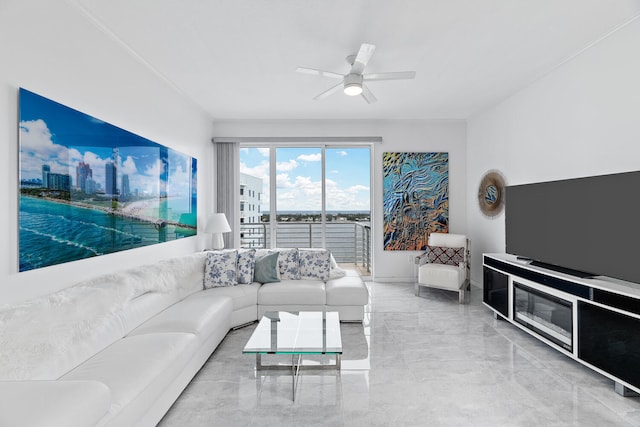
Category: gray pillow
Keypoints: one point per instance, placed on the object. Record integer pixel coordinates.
(266, 268)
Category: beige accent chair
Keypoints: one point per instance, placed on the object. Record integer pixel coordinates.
(444, 276)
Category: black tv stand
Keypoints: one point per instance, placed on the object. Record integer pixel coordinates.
(592, 320)
(565, 270)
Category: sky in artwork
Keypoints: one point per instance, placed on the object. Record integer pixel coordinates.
(61, 137)
(299, 177)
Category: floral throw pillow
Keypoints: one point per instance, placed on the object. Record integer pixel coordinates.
(220, 269)
(288, 264)
(315, 264)
(246, 265)
(444, 255)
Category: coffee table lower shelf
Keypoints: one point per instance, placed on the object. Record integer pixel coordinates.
(297, 334)
(295, 367)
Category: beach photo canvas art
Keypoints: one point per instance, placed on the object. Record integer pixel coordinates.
(88, 188)
(415, 198)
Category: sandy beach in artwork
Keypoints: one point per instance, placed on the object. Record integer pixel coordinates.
(142, 210)
(140, 207)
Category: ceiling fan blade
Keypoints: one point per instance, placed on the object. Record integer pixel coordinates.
(320, 73)
(368, 95)
(400, 75)
(328, 92)
(362, 58)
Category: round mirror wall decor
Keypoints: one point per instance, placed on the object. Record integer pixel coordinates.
(491, 193)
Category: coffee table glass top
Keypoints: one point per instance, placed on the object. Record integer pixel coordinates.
(305, 332)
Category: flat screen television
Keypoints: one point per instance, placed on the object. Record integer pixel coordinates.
(584, 226)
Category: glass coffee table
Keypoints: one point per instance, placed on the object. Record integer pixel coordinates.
(297, 334)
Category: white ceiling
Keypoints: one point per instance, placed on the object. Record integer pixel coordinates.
(236, 58)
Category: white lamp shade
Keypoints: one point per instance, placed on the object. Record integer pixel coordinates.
(217, 223)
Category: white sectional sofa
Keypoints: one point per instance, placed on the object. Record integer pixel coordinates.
(119, 349)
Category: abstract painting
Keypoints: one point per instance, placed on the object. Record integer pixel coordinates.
(415, 198)
(88, 188)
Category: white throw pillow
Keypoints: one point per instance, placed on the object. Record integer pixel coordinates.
(246, 265)
(220, 268)
(336, 272)
(315, 263)
(289, 264)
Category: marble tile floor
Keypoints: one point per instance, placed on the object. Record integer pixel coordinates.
(415, 361)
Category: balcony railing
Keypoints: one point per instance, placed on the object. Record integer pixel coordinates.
(349, 242)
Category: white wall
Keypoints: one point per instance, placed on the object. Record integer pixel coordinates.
(582, 119)
(52, 49)
(398, 135)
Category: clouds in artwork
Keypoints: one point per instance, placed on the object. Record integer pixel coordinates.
(142, 164)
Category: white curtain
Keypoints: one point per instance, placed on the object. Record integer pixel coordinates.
(227, 184)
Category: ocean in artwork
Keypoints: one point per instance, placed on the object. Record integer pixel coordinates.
(89, 188)
(53, 232)
(415, 198)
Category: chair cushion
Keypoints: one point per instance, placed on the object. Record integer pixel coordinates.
(447, 239)
(441, 276)
(292, 292)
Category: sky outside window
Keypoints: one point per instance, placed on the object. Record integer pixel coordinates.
(299, 177)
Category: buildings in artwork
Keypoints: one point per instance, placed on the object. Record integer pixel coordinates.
(83, 175)
(55, 181)
(110, 178)
(125, 188)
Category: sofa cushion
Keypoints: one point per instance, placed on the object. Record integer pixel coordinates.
(315, 263)
(348, 290)
(53, 403)
(220, 268)
(44, 338)
(142, 363)
(140, 309)
(202, 313)
(292, 292)
(289, 264)
(246, 264)
(266, 268)
(242, 296)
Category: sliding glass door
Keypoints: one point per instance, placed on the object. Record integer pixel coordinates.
(307, 196)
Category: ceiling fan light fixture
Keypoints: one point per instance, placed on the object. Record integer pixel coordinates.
(353, 84)
(353, 89)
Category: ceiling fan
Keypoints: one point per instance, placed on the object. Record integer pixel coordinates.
(353, 81)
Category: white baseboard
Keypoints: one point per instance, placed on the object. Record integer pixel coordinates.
(394, 279)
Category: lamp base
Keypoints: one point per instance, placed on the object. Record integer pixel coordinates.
(217, 241)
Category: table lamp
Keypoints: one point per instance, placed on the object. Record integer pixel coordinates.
(216, 225)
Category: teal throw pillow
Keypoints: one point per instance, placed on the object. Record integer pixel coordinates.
(266, 268)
